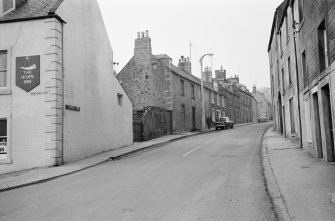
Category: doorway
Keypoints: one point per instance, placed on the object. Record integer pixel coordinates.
(318, 142)
(193, 119)
(284, 128)
(328, 123)
(280, 114)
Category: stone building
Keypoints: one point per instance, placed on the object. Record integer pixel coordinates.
(302, 60)
(59, 98)
(255, 114)
(152, 80)
(246, 105)
(264, 105)
(240, 99)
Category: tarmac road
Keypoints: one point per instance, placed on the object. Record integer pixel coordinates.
(212, 176)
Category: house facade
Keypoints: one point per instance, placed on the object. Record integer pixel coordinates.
(152, 80)
(59, 99)
(264, 106)
(302, 56)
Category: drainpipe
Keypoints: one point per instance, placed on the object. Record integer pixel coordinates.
(296, 71)
(63, 97)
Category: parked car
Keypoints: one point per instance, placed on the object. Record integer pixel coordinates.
(223, 123)
(263, 119)
(229, 123)
(220, 123)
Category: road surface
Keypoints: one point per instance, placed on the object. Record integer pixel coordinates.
(212, 176)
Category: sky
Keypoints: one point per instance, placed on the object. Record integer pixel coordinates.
(237, 32)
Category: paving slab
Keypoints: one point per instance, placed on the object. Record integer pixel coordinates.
(301, 186)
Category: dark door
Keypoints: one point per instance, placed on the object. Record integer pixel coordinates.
(318, 142)
(284, 130)
(328, 123)
(292, 116)
(193, 118)
(280, 114)
(138, 131)
(169, 126)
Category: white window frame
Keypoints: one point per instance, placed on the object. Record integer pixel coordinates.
(218, 113)
(9, 123)
(213, 115)
(223, 105)
(1, 8)
(218, 99)
(212, 97)
(325, 39)
(308, 121)
(6, 90)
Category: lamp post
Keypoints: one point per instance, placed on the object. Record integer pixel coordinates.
(203, 121)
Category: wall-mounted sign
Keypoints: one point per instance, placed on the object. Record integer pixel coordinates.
(70, 107)
(3, 150)
(28, 72)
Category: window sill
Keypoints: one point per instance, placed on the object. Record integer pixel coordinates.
(5, 91)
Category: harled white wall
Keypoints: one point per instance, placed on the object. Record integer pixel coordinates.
(101, 124)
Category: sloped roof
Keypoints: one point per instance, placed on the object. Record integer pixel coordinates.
(278, 19)
(32, 9)
(190, 77)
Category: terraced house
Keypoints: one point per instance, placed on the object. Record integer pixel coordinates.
(59, 98)
(302, 61)
(153, 81)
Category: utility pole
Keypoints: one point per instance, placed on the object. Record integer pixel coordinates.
(203, 120)
(296, 72)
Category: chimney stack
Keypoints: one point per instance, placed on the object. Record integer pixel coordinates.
(185, 64)
(220, 74)
(207, 74)
(143, 48)
(254, 89)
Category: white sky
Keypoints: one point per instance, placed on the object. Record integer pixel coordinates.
(236, 31)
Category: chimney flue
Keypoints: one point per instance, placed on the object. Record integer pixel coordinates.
(138, 35)
(146, 33)
(142, 34)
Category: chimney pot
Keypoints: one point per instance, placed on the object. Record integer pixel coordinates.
(146, 33)
(138, 35)
(142, 34)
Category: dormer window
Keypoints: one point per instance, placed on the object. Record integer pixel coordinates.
(6, 6)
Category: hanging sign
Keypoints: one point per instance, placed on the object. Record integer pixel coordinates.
(3, 150)
(28, 72)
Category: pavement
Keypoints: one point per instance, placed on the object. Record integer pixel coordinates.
(301, 186)
(32, 176)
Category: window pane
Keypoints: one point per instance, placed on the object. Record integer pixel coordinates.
(3, 78)
(3, 128)
(3, 60)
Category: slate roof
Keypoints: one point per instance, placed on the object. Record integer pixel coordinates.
(278, 19)
(32, 9)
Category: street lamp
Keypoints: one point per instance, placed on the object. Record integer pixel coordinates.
(203, 121)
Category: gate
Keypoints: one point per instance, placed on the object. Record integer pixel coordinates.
(138, 131)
